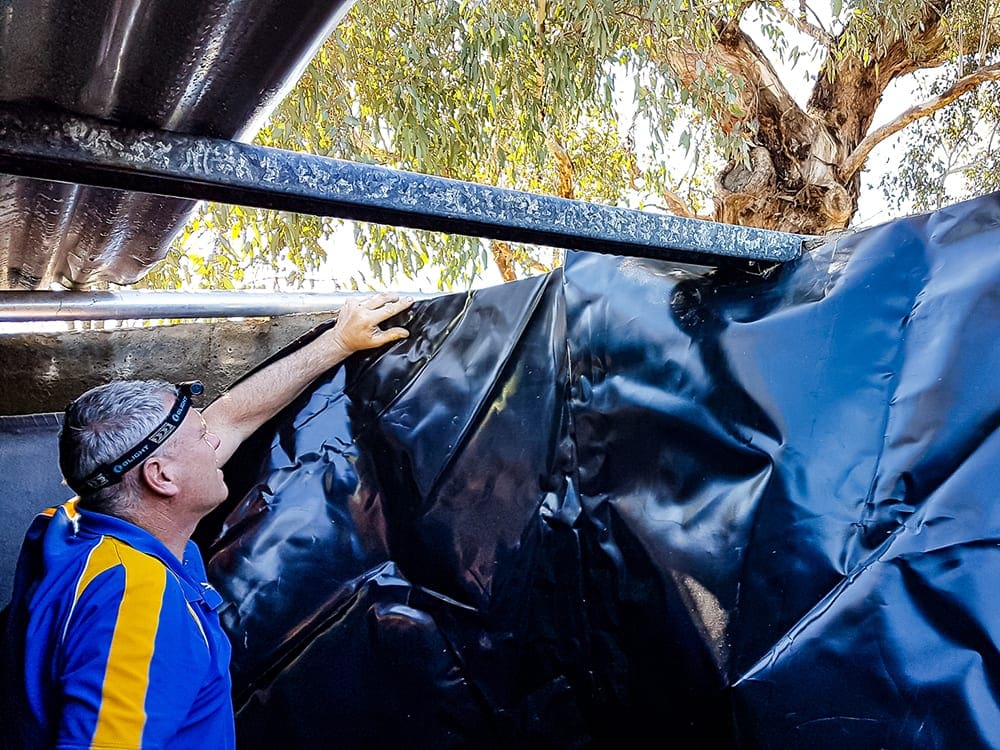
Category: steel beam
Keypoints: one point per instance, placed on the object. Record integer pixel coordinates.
(23, 307)
(81, 150)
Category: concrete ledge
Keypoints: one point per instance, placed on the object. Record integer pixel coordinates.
(42, 372)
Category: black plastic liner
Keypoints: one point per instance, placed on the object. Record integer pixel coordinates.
(635, 501)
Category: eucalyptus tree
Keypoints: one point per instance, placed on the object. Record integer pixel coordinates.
(756, 112)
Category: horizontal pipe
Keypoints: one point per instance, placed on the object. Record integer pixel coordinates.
(68, 148)
(37, 306)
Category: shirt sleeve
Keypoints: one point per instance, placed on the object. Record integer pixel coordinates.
(130, 667)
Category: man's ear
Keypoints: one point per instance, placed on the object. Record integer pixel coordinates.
(157, 473)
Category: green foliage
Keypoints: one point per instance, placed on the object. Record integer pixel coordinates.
(234, 247)
(871, 26)
(492, 91)
(950, 156)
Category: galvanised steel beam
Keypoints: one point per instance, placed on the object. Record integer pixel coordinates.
(35, 306)
(68, 148)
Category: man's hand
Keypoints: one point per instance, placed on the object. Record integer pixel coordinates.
(234, 416)
(358, 322)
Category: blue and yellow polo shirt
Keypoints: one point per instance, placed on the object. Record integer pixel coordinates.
(112, 642)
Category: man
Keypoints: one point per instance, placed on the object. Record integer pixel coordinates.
(113, 640)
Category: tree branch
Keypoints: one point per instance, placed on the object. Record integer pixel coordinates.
(742, 8)
(676, 206)
(820, 35)
(856, 160)
(763, 94)
(847, 82)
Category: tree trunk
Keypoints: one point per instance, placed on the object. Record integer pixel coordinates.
(793, 180)
(503, 256)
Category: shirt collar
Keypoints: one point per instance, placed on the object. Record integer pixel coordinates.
(190, 571)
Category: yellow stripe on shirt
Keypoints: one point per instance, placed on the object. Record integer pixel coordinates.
(122, 714)
(69, 506)
(102, 557)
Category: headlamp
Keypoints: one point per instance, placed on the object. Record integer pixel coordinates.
(111, 473)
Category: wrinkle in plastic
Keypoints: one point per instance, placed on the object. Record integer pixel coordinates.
(631, 500)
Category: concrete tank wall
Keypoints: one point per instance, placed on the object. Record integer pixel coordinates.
(42, 372)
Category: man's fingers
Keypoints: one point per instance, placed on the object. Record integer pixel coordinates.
(392, 307)
(391, 334)
(358, 323)
(382, 298)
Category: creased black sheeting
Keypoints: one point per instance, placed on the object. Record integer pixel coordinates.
(633, 500)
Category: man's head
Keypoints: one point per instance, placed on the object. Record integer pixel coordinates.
(105, 426)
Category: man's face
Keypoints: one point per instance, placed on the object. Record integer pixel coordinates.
(192, 449)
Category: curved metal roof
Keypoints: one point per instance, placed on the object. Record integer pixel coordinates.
(202, 67)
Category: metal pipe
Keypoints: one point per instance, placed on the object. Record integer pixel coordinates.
(35, 306)
(68, 148)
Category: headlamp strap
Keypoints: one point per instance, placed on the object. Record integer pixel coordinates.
(111, 473)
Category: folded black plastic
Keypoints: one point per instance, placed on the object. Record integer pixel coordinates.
(635, 501)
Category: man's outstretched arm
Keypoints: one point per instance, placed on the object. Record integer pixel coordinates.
(236, 415)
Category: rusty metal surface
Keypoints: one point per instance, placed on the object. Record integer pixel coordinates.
(202, 67)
